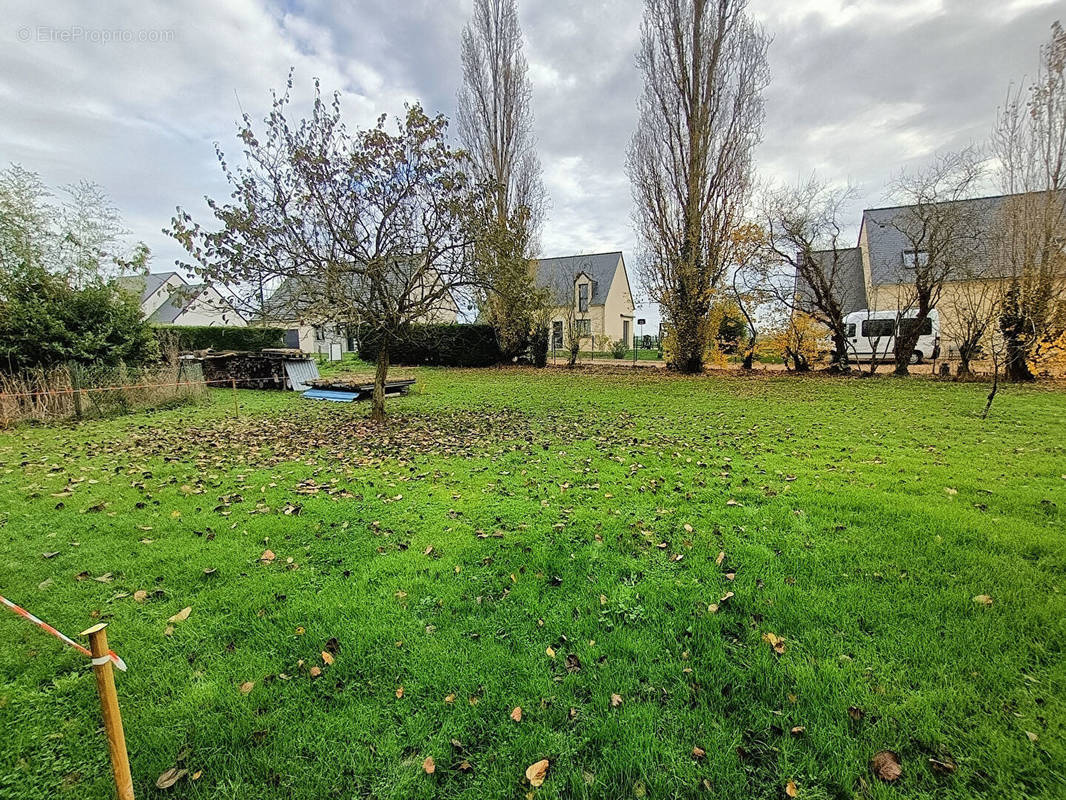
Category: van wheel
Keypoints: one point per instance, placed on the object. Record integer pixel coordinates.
(916, 357)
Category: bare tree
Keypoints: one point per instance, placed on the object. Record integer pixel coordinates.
(690, 160)
(944, 238)
(972, 303)
(1029, 141)
(807, 267)
(366, 228)
(495, 125)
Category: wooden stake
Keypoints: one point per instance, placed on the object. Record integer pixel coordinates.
(105, 687)
(236, 412)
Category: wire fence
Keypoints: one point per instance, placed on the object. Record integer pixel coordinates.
(48, 395)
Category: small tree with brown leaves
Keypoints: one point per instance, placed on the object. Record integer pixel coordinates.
(367, 228)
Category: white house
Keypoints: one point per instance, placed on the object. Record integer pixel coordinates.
(166, 298)
(592, 297)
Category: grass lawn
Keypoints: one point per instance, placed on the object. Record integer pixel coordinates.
(549, 541)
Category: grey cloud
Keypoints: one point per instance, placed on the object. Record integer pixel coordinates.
(860, 89)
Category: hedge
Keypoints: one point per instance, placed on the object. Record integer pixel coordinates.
(204, 337)
(451, 345)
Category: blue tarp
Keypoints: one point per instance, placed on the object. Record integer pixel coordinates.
(326, 394)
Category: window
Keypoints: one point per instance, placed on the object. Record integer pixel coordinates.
(851, 330)
(583, 297)
(878, 328)
(925, 329)
(584, 327)
(320, 333)
(557, 334)
(915, 258)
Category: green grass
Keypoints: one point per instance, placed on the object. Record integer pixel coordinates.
(859, 519)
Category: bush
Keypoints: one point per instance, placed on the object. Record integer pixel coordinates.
(449, 345)
(46, 320)
(205, 337)
(619, 349)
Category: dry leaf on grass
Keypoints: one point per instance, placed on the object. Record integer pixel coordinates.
(326, 657)
(550, 652)
(885, 765)
(399, 692)
(429, 766)
(516, 715)
(791, 790)
(315, 672)
(247, 686)
(616, 700)
(182, 615)
(535, 773)
(140, 595)
(983, 599)
(267, 557)
(698, 753)
(170, 777)
(775, 641)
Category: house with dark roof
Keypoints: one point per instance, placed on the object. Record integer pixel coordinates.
(877, 274)
(592, 297)
(166, 298)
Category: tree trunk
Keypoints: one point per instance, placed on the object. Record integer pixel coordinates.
(1016, 366)
(840, 352)
(377, 413)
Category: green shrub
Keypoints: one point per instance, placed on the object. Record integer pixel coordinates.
(204, 337)
(619, 348)
(47, 320)
(450, 345)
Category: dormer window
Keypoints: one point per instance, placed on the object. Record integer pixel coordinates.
(915, 258)
(583, 297)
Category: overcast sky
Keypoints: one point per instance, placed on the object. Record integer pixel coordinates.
(133, 94)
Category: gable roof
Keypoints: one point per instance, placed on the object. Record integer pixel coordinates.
(850, 278)
(145, 285)
(558, 274)
(887, 241)
(176, 304)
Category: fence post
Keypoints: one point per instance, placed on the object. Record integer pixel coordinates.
(75, 385)
(105, 687)
(233, 383)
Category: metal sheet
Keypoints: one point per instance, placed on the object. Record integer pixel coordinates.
(336, 397)
(300, 372)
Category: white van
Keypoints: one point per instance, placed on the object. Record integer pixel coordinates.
(872, 335)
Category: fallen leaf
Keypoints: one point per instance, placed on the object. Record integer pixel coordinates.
(429, 765)
(983, 599)
(315, 671)
(550, 652)
(268, 556)
(712, 608)
(399, 692)
(326, 657)
(791, 790)
(775, 641)
(140, 595)
(944, 765)
(856, 713)
(721, 557)
(616, 700)
(182, 615)
(535, 773)
(52, 554)
(516, 715)
(449, 698)
(885, 765)
(170, 777)
(798, 730)
(247, 686)
(698, 753)
(1032, 736)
